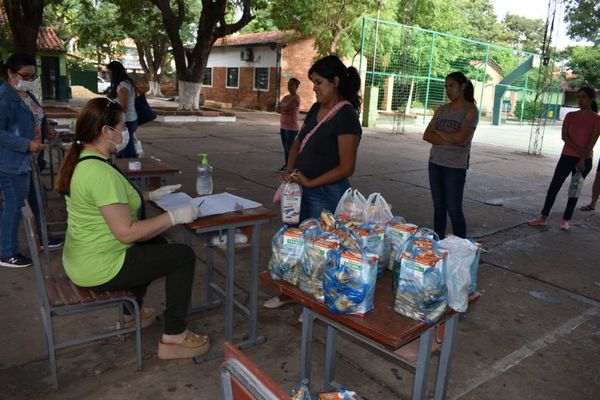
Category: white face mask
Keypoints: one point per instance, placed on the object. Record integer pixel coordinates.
(125, 139)
(25, 86)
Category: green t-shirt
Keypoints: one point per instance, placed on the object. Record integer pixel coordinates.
(92, 255)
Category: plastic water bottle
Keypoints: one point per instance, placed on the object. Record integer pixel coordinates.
(204, 182)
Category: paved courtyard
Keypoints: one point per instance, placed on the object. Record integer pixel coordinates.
(535, 333)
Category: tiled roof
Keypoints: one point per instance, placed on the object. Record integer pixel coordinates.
(248, 39)
(47, 38)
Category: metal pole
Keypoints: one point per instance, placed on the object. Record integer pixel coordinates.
(483, 83)
(429, 77)
(362, 47)
(375, 47)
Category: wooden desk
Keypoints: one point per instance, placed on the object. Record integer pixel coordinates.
(151, 169)
(382, 328)
(251, 219)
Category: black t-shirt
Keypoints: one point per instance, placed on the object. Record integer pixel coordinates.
(321, 153)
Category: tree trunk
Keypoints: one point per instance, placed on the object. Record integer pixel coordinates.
(24, 18)
(211, 26)
(189, 95)
(155, 89)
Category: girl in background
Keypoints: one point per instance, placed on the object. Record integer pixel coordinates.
(450, 133)
(580, 132)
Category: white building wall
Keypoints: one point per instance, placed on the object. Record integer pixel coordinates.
(230, 57)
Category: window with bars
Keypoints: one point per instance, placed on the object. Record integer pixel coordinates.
(233, 78)
(261, 79)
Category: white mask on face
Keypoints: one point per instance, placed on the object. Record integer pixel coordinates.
(25, 86)
(125, 139)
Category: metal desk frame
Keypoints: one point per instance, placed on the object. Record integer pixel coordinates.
(216, 295)
(421, 367)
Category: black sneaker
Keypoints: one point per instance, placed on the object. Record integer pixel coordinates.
(54, 243)
(16, 261)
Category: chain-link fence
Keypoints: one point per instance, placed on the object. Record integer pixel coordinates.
(409, 64)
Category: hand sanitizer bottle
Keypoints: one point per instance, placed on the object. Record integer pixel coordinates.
(204, 182)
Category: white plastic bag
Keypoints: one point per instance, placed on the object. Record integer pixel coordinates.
(351, 206)
(377, 210)
(461, 254)
(576, 185)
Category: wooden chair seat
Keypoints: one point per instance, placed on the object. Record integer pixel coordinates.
(63, 292)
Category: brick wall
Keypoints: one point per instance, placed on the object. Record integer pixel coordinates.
(296, 59)
(245, 95)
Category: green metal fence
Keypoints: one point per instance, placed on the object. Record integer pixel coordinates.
(409, 64)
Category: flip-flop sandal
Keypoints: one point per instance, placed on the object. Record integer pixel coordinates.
(194, 345)
(276, 302)
(587, 208)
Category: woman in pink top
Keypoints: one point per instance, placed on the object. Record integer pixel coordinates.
(289, 108)
(580, 132)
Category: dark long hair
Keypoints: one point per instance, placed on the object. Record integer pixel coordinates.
(469, 88)
(118, 75)
(15, 62)
(97, 113)
(591, 93)
(331, 66)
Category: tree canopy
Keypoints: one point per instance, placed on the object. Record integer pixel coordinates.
(583, 17)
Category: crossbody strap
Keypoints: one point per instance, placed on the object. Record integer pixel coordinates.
(327, 117)
(109, 162)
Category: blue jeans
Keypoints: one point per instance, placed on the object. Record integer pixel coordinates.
(129, 150)
(15, 190)
(323, 197)
(287, 140)
(447, 187)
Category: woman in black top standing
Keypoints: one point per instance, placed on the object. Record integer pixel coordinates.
(321, 161)
(323, 155)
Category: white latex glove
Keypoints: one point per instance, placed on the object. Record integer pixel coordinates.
(163, 191)
(184, 215)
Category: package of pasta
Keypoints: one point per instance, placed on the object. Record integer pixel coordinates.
(349, 285)
(287, 251)
(351, 206)
(422, 292)
(317, 255)
(371, 236)
(397, 233)
(311, 228)
(328, 221)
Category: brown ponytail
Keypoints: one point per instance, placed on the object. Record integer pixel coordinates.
(97, 113)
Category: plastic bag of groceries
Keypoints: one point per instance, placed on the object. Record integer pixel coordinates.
(371, 236)
(397, 233)
(291, 198)
(349, 285)
(377, 210)
(422, 292)
(287, 250)
(351, 206)
(302, 391)
(317, 255)
(396, 258)
(461, 254)
(474, 267)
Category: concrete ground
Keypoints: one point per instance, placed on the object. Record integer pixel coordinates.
(535, 333)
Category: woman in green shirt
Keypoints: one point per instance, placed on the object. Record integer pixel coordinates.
(109, 244)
